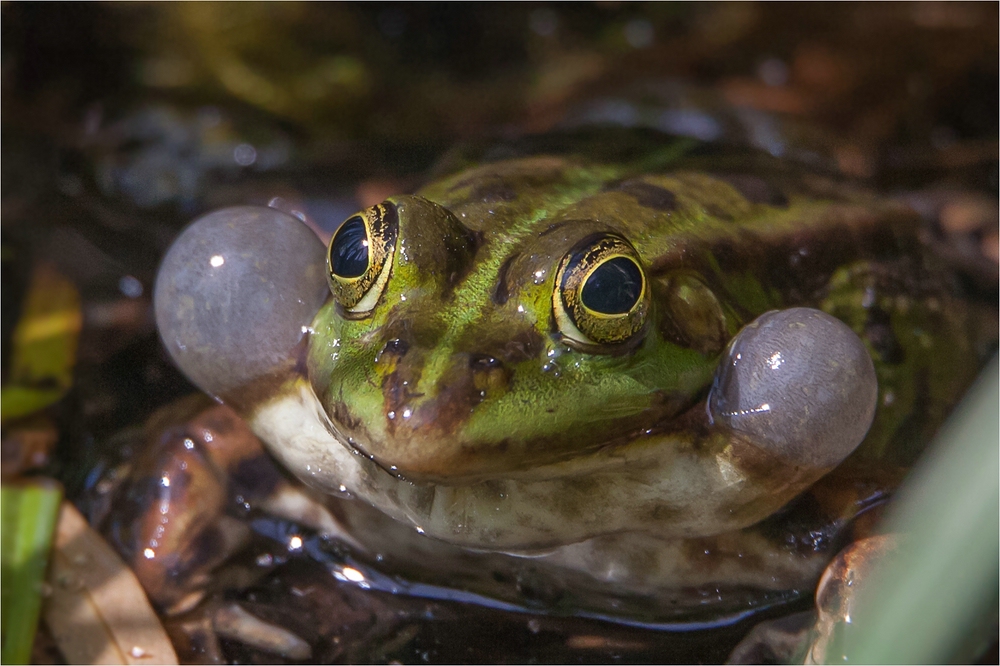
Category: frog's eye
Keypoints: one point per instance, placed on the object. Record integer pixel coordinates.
(601, 295)
(359, 260)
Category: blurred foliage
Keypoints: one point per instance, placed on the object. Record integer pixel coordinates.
(448, 70)
(936, 600)
(45, 340)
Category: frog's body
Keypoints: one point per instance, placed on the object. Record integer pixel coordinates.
(455, 387)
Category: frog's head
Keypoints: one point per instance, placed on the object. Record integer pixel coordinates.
(479, 349)
(520, 322)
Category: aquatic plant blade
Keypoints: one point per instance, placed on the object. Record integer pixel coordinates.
(28, 520)
(937, 602)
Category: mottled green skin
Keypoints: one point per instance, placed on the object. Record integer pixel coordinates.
(723, 236)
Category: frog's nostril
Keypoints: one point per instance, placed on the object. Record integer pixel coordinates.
(484, 362)
(396, 346)
(489, 376)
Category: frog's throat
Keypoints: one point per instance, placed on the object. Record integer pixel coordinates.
(664, 487)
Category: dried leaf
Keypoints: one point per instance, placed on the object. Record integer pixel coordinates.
(97, 612)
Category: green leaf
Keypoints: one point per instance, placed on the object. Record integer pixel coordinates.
(44, 346)
(28, 514)
(18, 401)
(937, 601)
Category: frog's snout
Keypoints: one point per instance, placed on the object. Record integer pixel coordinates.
(427, 399)
(423, 393)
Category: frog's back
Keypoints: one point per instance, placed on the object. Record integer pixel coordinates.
(746, 232)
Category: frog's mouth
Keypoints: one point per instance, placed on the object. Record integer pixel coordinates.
(466, 430)
(455, 462)
(804, 391)
(658, 484)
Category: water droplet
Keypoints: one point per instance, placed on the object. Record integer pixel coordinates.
(353, 575)
(244, 154)
(130, 286)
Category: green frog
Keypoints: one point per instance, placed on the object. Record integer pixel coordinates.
(629, 362)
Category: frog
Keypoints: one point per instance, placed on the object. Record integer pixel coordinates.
(642, 366)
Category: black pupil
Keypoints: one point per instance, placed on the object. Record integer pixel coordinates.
(614, 287)
(349, 250)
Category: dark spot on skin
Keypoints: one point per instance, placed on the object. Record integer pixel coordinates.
(806, 278)
(475, 238)
(757, 190)
(483, 362)
(339, 413)
(554, 227)
(395, 346)
(394, 397)
(879, 333)
(523, 346)
(501, 292)
(451, 408)
(462, 248)
(494, 190)
(646, 195)
(719, 213)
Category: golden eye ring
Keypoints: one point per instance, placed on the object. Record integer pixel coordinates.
(359, 259)
(601, 295)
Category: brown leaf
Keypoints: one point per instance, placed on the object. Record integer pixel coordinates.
(97, 612)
